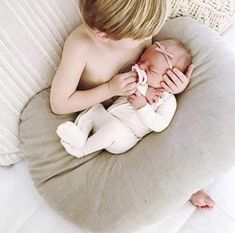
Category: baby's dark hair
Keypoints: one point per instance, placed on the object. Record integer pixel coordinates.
(182, 56)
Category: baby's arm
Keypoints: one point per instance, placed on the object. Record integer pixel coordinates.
(160, 119)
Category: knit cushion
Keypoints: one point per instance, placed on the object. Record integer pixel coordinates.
(217, 14)
(32, 36)
(107, 193)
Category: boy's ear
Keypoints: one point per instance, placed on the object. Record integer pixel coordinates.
(102, 36)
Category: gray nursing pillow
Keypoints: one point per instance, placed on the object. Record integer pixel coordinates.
(123, 193)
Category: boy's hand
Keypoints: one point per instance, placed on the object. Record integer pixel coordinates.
(153, 94)
(123, 84)
(137, 100)
(174, 81)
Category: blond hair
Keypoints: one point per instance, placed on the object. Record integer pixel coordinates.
(120, 19)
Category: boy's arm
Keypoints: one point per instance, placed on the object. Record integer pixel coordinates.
(160, 119)
(63, 96)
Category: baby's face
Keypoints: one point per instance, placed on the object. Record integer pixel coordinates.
(154, 64)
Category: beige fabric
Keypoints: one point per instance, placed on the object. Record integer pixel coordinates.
(32, 34)
(122, 193)
(217, 14)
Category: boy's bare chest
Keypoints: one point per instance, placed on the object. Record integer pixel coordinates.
(101, 67)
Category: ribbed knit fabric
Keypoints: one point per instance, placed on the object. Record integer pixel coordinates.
(32, 34)
(217, 14)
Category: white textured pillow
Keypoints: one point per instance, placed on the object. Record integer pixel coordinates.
(32, 36)
(217, 14)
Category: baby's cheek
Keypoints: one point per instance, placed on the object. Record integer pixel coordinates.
(151, 80)
(156, 81)
(161, 79)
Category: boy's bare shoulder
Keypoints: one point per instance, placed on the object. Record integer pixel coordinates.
(78, 40)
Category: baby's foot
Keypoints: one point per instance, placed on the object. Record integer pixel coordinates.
(77, 152)
(71, 135)
(201, 200)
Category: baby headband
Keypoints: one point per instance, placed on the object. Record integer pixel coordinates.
(167, 55)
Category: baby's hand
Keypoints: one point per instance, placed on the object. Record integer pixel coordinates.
(153, 94)
(123, 84)
(174, 81)
(137, 100)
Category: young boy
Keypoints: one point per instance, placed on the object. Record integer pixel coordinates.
(114, 34)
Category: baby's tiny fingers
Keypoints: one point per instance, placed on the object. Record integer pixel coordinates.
(158, 93)
(156, 98)
(150, 101)
(159, 89)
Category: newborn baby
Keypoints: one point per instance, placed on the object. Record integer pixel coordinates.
(124, 123)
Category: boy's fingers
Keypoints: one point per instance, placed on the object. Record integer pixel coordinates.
(174, 77)
(130, 92)
(189, 71)
(129, 75)
(131, 86)
(169, 82)
(130, 98)
(130, 80)
(138, 93)
(168, 89)
(180, 75)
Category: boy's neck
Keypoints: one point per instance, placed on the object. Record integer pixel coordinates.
(104, 44)
(98, 42)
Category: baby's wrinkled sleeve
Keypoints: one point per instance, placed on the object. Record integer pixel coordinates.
(157, 118)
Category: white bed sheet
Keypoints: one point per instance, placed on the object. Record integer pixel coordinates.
(22, 210)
